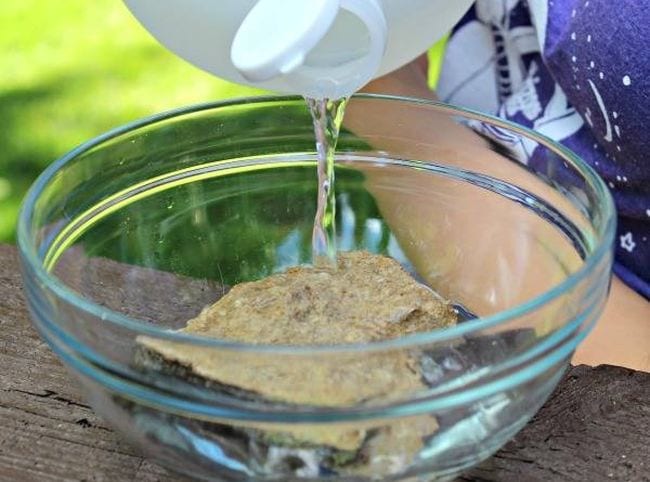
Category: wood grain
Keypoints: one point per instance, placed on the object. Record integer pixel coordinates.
(596, 427)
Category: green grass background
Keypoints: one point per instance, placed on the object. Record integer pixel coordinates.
(71, 69)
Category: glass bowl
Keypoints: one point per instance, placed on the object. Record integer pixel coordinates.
(132, 234)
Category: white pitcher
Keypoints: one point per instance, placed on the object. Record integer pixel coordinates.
(316, 48)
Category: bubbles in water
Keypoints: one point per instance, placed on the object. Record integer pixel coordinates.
(327, 116)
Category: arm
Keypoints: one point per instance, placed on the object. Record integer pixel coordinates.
(621, 337)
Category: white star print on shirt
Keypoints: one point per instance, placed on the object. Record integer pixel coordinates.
(627, 242)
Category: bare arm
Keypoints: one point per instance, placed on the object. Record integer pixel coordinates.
(621, 337)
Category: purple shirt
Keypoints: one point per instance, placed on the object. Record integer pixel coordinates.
(577, 71)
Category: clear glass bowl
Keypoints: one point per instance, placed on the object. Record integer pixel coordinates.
(133, 233)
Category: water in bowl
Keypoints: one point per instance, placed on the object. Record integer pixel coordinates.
(252, 217)
(242, 220)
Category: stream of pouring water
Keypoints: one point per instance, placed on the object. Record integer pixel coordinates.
(327, 116)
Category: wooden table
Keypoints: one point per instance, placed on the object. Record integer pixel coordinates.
(595, 427)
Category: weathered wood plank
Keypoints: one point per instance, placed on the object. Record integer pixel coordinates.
(596, 426)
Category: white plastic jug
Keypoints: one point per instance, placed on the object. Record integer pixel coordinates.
(316, 48)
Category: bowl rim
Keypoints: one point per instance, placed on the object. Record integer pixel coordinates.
(30, 258)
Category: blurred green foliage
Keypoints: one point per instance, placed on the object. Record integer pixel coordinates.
(71, 70)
